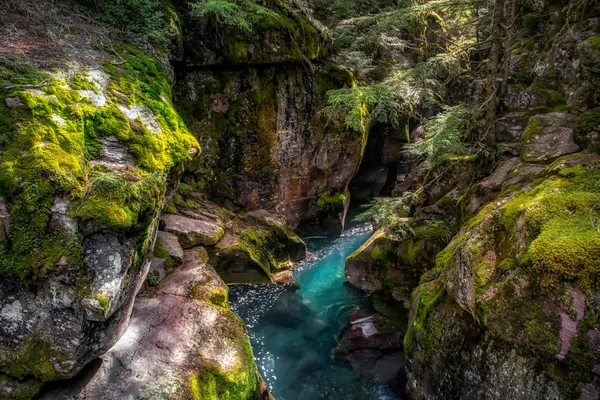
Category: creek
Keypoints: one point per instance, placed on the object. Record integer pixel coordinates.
(294, 332)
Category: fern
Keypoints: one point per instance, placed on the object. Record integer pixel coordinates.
(239, 14)
(445, 135)
(388, 212)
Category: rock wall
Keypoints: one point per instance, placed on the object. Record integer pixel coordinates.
(255, 108)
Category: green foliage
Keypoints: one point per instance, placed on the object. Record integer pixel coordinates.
(153, 278)
(594, 41)
(145, 19)
(445, 135)
(359, 106)
(239, 14)
(397, 98)
(388, 212)
(333, 203)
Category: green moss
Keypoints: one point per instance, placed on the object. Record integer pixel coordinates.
(332, 203)
(104, 302)
(553, 97)
(219, 297)
(34, 360)
(81, 82)
(153, 278)
(46, 147)
(535, 126)
(117, 202)
(238, 382)
(594, 41)
(426, 296)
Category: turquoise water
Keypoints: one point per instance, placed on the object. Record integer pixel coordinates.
(294, 333)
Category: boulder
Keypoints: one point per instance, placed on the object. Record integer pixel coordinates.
(74, 314)
(548, 137)
(194, 228)
(168, 248)
(372, 345)
(182, 341)
(508, 295)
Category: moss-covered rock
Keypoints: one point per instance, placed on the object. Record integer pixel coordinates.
(86, 160)
(514, 281)
(182, 341)
(389, 269)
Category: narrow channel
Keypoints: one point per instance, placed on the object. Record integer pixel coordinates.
(294, 332)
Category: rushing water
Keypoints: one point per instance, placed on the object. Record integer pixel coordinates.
(294, 333)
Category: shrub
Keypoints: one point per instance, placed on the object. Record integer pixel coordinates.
(239, 14)
(143, 18)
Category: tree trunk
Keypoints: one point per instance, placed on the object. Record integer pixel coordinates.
(492, 80)
(510, 29)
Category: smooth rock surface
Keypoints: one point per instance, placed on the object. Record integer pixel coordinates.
(549, 136)
(200, 230)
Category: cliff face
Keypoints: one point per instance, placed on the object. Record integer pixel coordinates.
(254, 104)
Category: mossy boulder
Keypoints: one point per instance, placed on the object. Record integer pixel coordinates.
(182, 340)
(388, 268)
(87, 158)
(513, 292)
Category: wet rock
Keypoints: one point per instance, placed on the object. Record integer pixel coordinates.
(182, 338)
(194, 229)
(285, 278)
(388, 269)
(373, 346)
(548, 136)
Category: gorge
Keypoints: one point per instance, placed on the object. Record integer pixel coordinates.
(299, 199)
